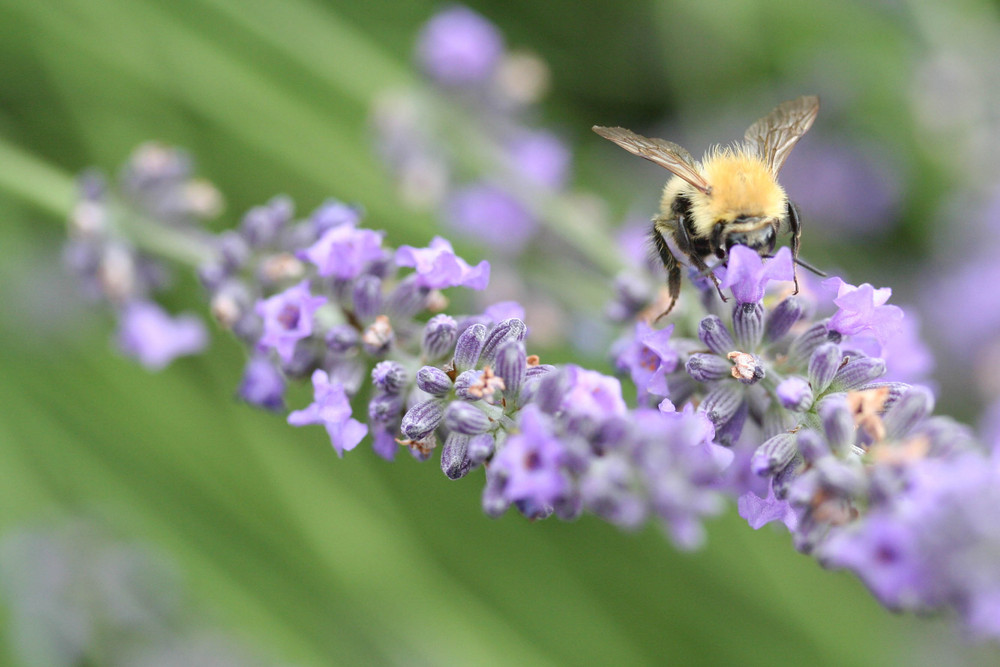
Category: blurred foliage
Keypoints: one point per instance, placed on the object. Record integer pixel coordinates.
(314, 560)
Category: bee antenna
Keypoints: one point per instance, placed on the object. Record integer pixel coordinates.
(804, 265)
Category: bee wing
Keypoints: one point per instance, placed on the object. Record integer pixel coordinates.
(774, 135)
(665, 153)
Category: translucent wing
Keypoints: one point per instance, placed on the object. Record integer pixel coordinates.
(774, 135)
(667, 154)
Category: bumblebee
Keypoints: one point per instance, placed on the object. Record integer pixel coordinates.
(732, 197)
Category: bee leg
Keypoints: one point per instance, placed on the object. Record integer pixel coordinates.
(669, 263)
(796, 227)
(687, 247)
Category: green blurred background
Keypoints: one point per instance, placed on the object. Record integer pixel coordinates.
(298, 557)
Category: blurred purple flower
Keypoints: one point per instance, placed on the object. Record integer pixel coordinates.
(540, 158)
(759, 512)
(331, 408)
(843, 187)
(263, 385)
(530, 462)
(333, 213)
(288, 318)
(748, 274)
(438, 266)
(592, 394)
(491, 215)
(344, 251)
(862, 309)
(504, 310)
(151, 336)
(459, 47)
(885, 554)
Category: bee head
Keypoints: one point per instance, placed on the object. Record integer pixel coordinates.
(758, 234)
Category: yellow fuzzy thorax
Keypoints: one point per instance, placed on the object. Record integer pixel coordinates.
(741, 186)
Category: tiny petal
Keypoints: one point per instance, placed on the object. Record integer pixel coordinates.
(511, 365)
(434, 381)
(912, 407)
(806, 343)
(439, 337)
(367, 297)
(462, 417)
(823, 366)
(857, 372)
(420, 420)
(344, 251)
(469, 347)
(508, 330)
(773, 455)
(783, 317)
(455, 461)
(748, 324)
(707, 367)
(812, 446)
(407, 299)
(389, 376)
(714, 334)
(795, 393)
(722, 402)
(837, 422)
(481, 447)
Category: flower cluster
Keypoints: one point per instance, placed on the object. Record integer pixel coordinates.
(155, 182)
(846, 456)
(492, 200)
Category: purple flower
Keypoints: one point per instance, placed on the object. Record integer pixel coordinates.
(504, 310)
(331, 408)
(592, 394)
(849, 189)
(263, 385)
(748, 274)
(862, 309)
(491, 215)
(530, 462)
(540, 158)
(438, 266)
(459, 47)
(759, 512)
(884, 553)
(150, 335)
(333, 213)
(288, 318)
(649, 358)
(344, 251)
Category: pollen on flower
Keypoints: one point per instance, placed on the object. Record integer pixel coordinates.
(900, 453)
(487, 386)
(424, 446)
(284, 266)
(436, 302)
(379, 334)
(867, 407)
(533, 360)
(746, 367)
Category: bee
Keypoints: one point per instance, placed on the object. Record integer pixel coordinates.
(732, 197)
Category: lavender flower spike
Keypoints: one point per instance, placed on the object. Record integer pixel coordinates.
(331, 408)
